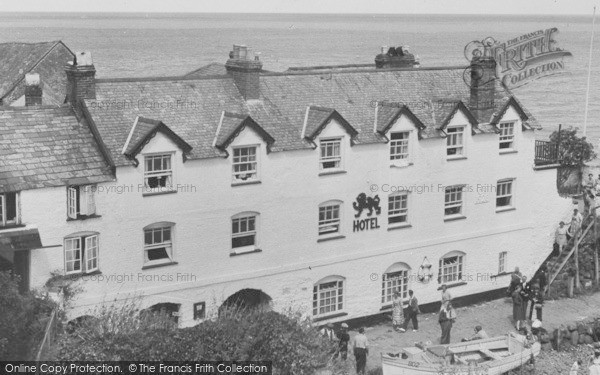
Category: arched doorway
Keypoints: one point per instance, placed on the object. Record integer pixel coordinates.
(169, 309)
(247, 299)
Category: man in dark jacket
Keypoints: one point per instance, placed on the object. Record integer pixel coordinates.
(411, 313)
(537, 300)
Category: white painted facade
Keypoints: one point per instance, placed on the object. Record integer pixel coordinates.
(287, 200)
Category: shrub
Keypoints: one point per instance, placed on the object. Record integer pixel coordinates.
(23, 319)
(119, 333)
(574, 150)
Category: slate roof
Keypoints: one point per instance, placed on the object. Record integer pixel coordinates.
(46, 58)
(192, 107)
(47, 146)
(318, 117)
(212, 69)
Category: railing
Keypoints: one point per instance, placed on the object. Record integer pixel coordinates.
(49, 336)
(545, 153)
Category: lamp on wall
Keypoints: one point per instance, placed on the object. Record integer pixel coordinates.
(424, 275)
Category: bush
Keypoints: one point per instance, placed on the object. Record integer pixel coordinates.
(574, 150)
(23, 319)
(241, 335)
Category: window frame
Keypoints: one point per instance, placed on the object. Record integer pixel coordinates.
(256, 162)
(502, 256)
(320, 300)
(168, 245)
(395, 144)
(328, 222)
(510, 182)
(454, 133)
(454, 204)
(454, 277)
(169, 173)
(328, 159)
(502, 126)
(389, 282)
(85, 256)
(4, 222)
(405, 222)
(78, 197)
(247, 248)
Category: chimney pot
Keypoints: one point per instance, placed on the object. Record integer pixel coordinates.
(245, 71)
(33, 89)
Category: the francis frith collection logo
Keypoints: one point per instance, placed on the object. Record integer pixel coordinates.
(522, 59)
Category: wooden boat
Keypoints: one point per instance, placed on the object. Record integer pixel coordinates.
(493, 356)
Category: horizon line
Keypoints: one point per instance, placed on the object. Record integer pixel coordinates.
(292, 13)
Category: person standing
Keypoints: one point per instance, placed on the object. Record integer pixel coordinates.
(517, 300)
(515, 279)
(543, 279)
(344, 338)
(328, 332)
(526, 297)
(411, 313)
(361, 349)
(576, 221)
(560, 236)
(446, 297)
(397, 311)
(537, 301)
(446, 318)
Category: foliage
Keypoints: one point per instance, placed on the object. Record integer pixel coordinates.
(23, 319)
(120, 333)
(574, 150)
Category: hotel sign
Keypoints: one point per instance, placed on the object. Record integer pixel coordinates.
(369, 205)
(522, 59)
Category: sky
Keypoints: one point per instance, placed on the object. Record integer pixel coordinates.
(556, 7)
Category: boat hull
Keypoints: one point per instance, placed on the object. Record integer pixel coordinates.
(500, 365)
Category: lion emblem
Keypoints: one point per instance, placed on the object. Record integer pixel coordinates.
(366, 203)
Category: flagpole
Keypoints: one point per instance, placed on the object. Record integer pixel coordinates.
(587, 95)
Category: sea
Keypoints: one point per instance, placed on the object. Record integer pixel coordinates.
(142, 45)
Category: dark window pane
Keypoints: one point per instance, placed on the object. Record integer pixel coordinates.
(160, 253)
(242, 241)
(11, 206)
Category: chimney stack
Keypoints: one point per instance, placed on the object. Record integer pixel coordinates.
(33, 90)
(395, 57)
(81, 78)
(483, 85)
(245, 69)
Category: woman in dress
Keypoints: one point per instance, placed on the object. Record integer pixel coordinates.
(397, 311)
(445, 319)
(518, 311)
(560, 237)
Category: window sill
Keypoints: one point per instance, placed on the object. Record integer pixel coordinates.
(337, 171)
(242, 183)
(331, 238)
(454, 217)
(453, 285)
(84, 217)
(234, 254)
(400, 226)
(452, 158)
(159, 265)
(12, 226)
(505, 209)
(78, 275)
(150, 193)
(508, 151)
(327, 317)
(401, 165)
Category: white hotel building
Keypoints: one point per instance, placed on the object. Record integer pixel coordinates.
(319, 190)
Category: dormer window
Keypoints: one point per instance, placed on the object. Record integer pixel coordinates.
(455, 141)
(245, 164)
(9, 209)
(81, 202)
(507, 135)
(331, 154)
(399, 146)
(158, 173)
